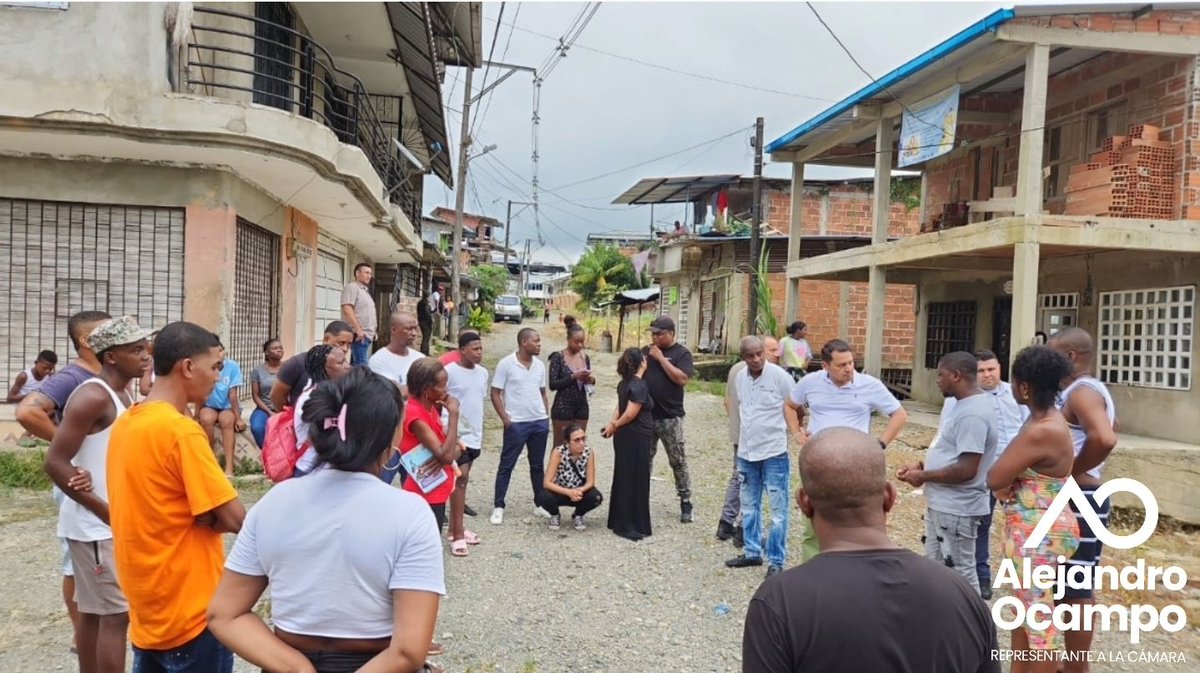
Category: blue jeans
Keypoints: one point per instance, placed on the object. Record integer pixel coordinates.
(258, 426)
(774, 474)
(204, 654)
(360, 352)
(532, 434)
(982, 569)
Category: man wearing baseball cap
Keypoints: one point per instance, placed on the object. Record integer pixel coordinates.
(669, 366)
(82, 441)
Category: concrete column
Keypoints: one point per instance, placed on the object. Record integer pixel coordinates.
(1026, 259)
(876, 299)
(884, 135)
(1033, 121)
(791, 304)
(209, 247)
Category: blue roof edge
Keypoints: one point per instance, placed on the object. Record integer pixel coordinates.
(947, 47)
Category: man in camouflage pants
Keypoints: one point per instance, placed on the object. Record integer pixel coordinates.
(668, 370)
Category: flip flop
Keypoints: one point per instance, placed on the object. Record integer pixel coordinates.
(471, 538)
(458, 548)
(436, 649)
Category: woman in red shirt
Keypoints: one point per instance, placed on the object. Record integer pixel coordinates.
(423, 431)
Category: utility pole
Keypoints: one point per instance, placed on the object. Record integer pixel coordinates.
(755, 223)
(525, 273)
(460, 197)
(508, 226)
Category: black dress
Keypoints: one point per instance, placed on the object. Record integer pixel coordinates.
(629, 501)
(570, 396)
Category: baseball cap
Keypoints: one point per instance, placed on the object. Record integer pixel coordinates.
(116, 332)
(662, 324)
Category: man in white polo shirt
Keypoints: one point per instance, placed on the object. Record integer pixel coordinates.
(519, 396)
(838, 396)
(392, 363)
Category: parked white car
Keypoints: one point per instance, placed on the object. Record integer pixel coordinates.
(507, 307)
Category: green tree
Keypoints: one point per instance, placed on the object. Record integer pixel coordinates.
(602, 272)
(493, 282)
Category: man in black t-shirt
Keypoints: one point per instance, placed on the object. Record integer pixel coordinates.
(292, 379)
(863, 603)
(669, 366)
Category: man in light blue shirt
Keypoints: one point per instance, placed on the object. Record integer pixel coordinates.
(1010, 416)
(222, 409)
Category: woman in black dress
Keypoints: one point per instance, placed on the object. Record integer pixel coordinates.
(571, 380)
(632, 430)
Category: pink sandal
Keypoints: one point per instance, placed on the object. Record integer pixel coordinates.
(471, 538)
(458, 548)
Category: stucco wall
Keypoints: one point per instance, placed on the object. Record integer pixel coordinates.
(120, 46)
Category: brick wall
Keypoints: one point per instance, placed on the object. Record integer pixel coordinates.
(838, 210)
(1154, 90)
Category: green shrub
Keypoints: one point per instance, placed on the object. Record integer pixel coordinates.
(23, 469)
(480, 320)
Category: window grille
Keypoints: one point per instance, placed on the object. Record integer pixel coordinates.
(950, 328)
(255, 298)
(1146, 337)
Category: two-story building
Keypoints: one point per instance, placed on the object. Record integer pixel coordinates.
(1059, 149)
(223, 163)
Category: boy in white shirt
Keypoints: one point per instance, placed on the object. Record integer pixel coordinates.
(468, 383)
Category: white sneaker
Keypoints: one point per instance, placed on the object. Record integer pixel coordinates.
(497, 516)
(541, 512)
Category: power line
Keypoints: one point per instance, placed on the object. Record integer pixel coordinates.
(650, 161)
(874, 81)
(678, 71)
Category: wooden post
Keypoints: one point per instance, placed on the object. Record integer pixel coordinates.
(1033, 121)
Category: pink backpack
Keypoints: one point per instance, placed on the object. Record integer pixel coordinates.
(279, 451)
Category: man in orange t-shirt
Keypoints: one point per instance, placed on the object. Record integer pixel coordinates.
(169, 503)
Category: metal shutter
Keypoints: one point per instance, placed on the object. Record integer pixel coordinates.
(62, 258)
(255, 298)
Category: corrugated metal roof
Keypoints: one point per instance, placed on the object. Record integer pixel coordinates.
(674, 190)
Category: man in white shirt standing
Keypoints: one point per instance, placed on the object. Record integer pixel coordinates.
(762, 454)
(392, 363)
(468, 383)
(839, 396)
(519, 396)
(727, 525)
(1010, 416)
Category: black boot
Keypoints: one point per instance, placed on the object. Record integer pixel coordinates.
(724, 530)
(685, 511)
(739, 539)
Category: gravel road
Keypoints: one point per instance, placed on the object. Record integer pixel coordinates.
(529, 599)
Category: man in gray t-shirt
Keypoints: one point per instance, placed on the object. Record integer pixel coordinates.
(954, 473)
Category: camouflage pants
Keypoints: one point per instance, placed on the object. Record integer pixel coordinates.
(670, 432)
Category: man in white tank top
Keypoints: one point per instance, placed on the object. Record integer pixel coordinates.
(82, 441)
(1092, 416)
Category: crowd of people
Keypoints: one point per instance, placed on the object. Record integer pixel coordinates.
(144, 499)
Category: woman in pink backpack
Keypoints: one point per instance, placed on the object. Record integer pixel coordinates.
(324, 363)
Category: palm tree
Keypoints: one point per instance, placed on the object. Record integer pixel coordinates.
(601, 272)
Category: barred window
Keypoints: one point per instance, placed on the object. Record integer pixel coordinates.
(950, 326)
(1146, 337)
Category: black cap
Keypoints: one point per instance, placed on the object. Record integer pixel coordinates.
(662, 324)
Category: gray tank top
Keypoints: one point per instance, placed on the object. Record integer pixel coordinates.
(1078, 436)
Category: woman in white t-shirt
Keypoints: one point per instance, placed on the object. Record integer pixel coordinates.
(318, 543)
(323, 363)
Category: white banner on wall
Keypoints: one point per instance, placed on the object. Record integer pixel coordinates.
(928, 131)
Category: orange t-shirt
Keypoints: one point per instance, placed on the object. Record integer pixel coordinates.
(161, 475)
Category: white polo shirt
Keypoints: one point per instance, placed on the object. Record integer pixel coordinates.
(470, 388)
(522, 387)
(761, 402)
(848, 406)
(394, 367)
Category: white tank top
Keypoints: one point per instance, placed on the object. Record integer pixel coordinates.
(1078, 435)
(75, 521)
(31, 383)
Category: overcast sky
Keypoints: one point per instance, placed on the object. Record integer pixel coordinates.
(600, 114)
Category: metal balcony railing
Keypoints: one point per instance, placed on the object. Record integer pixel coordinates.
(250, 59)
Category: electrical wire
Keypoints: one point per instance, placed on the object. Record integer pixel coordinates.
(677, 71)
(475, 123)
(650, 161)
